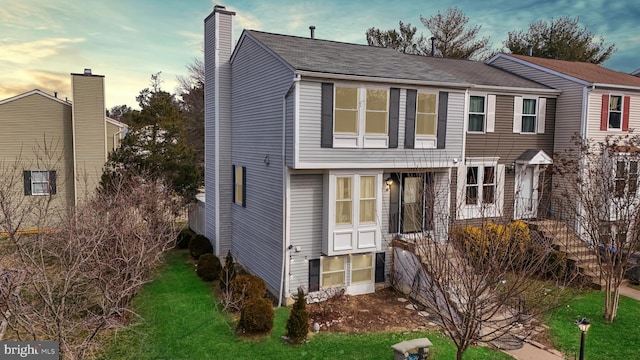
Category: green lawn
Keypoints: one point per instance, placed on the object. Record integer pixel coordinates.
(182, 321)
(620, 340)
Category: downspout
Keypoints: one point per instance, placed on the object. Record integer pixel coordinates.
(584, 118)
(285, 186)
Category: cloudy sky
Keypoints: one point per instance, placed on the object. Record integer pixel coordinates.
(43, 41)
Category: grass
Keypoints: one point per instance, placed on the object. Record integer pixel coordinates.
(182, 320)
(603, 341)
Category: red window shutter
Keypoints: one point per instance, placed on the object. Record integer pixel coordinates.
(604, 115)
(625, 113)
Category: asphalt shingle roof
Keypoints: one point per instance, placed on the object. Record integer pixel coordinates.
(588, 72)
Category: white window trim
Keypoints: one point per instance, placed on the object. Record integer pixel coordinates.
(350, 287)
(355, 237)
(480, 210)
(489, 113)
(621, 112)
(426, 141)
(47, 181)
(361, 139)
(540, 115)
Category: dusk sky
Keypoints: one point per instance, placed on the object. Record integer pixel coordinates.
(43, 41)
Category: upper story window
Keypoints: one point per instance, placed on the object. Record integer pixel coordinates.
(615, 112)
(426, 119)
(476, 113)
(39, 182)
(529, 115)
(361, 117)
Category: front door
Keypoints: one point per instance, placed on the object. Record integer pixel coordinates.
(526, 204)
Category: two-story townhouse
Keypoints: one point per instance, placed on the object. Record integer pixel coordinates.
(595, 103)
(509, 123)
(319, 153)
(61, 145)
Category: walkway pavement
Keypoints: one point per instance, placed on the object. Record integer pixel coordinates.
(536, 351)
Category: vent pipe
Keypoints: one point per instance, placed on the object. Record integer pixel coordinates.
(55, 94)
(313, 31)
(87, 71)
(530, 50)
(433, 46)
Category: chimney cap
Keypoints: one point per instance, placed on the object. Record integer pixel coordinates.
(87, 71)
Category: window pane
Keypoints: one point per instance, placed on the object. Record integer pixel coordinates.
(343, 188)
(614, 120)
(412, 189)
(472, 175)
(377, 100)
(489, 175)
(425, 124)
(529, 106)
(361, 261)
(472, 195)
(367, 211)
(488, 194)
(346, 98)
(633, 177)
(333, 264)
(615, 103)
(376, 122)
(39, 176)
(476, 122)
(343, 212)
(346, 121)
(367, 187)
(40, 188)
(362, 276)
(476, 104)
(238, 185)
(333, 279)
(427, 103)
(620, 169)
(528, 124)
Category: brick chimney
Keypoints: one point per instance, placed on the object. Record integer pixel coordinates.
(218, 46)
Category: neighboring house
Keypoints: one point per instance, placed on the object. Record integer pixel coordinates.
(595, 103)
(61, 145)
(319, 153)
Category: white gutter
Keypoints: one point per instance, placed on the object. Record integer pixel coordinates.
(285, 198)
(614, 86)
(216, 137)
(383, 79)
(517, 89)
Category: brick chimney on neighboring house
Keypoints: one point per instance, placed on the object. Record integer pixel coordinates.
(218, 46)
(89, 131)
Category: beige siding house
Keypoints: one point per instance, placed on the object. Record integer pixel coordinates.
(59, 146)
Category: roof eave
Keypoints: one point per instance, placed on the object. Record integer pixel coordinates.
(510, 89)
(323, 75)
(615, 86)
(541, 68)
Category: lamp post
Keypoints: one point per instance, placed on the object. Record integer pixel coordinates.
(583, 325)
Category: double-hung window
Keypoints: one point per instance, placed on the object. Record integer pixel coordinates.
(426, 119)
(39, 182)
(481, 185)
(529, 115)
(615, 112)
(361, 117)
(239, 185)
(626, 177)
(481, 192)
(476, 114)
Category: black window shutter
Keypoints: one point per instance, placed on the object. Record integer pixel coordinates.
(27, 182)
(394, 205)
(314, 275)
(380, 260)
(233, 181)
(53, 189)
(394, 117)
(442, 119)
(244, 186)
(326, 116)
(410, 120)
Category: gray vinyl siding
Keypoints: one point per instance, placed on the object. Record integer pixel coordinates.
(28, 123)
(569, 103)
(89, 131)
(506, 144)
(259, 87)
(306, 198)
(223, 157)
(311, 155)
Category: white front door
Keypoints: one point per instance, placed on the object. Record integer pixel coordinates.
(526, 204)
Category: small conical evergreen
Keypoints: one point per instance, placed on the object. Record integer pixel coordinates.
(298, 322)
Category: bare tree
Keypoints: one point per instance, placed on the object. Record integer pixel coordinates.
(454, 37)
(404, 40)
(79, 275)
(482, 279)
(600, 187)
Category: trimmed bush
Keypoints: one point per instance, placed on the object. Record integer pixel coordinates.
(298, 321)
(247, 286)
(184, 238)
(209, 267)
(256, 316)
(228, 272)
(199, 245)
